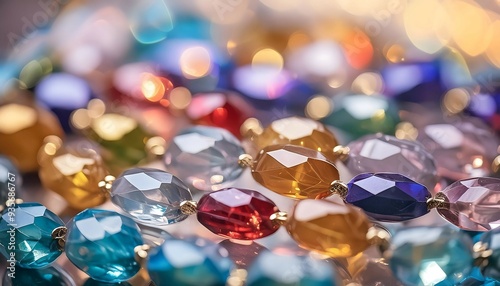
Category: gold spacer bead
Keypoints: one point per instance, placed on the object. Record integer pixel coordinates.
(279, 217)
(342, 152)
(481, 254)
(237, 277)
(189, 207)
(251, 127)
(439, 201)
(106, 184)
(59, 234)
(379, 237)
(141, 253)
(339, 188)
(495, 165)
(245, 160)
(155, 146)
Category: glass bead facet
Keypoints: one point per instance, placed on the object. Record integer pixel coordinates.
(101, 243)
(299, 131)
(271, 269)
(429, 255)
(329, 227)
(204, 157)
(388, 197)
(150, 196)
(237, 213)
(473, 204)
(31, 224)
(189, 263)
(384, 153)
(295, 171)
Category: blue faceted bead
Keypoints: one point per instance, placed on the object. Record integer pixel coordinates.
(101, 243)
(271, 269)
(189, 263)
(150, 196)
(204, 157)
(492, 240)
(48, 276)
(388, 197)
(430, 255)
(26, 235)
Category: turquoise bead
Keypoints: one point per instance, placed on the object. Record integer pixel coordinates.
(271, 269)
(49, 276)
(101, 243)
(26, 235)
(192, 262)
(430, 255)
(92, 282)
(492, 240)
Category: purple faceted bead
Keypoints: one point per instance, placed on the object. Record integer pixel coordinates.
(384, 153)
(388, 197)
(473, 204)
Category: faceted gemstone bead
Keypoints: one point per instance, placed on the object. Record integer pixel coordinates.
(8, 174)
(23, 128)
(150, 196)
(101, 243)
(48, 276)
(220, 109)
(181, 262)
(429, 255)
(329, 227)
(237, 213)
(462, 148)
(388, 197)
(492, 240)
(359, 114)
(384, 153)
(73, 171)
(473, 204)
(272, 269)
(26, 235)
(205, 157)
(298, 131)
(295, 171)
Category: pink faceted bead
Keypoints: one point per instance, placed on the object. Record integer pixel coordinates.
(474, 204)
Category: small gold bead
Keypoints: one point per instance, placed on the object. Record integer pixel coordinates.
(495, 165)
(237, 277)
(59, 234)
(245, 160)
(189, 207)
(339, 188)
(141, 253)
(439, 201)
(106, 184)
(380, 237)
(342, 152)
(155, 146)
(251, 127)
(279, 217)
(481, 254)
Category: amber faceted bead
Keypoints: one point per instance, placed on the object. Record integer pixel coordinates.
(73, 171)
(295, 172)
(22, 130)
(299, 131)
(329, 226)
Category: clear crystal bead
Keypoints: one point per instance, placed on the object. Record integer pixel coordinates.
(150, 196)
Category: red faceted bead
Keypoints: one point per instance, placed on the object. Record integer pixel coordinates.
(225, 110)
(237, 213)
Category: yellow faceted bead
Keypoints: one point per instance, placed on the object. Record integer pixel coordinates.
(299, 131)
(22, 130)
(295, 171)
(72, 171)
(329, 227)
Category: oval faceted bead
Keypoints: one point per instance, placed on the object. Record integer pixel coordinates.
(73, 172)
(295, 171)
(271, 269)
(299, 131)
(188, 263)
(101, 243)
(26, 231)
(491, 240)
(237, 213)
(150, 196)
(473, 204)
(384, 153)
(423, 256)
(204, 157)
(329, 227)
(388, 197)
